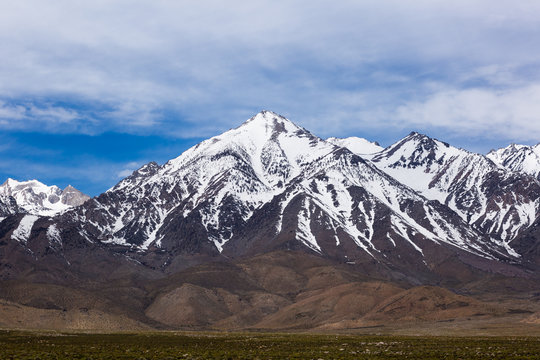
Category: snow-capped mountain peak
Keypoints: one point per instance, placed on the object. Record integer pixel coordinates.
(37, 198)
(270, 120)
(357, 145)
(223, 179)
(274, 146)
(416, 149)
(519, 158)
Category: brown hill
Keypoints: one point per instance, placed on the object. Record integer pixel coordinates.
(17, 316)
(283, 290)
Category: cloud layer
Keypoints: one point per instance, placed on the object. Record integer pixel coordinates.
(513, 113)
(192, 69)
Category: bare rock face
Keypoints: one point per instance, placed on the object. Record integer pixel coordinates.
(73, 197)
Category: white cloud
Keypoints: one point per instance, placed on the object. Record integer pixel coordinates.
(18, 116)
(513, 113)
(137, 66)
(124, 173)
(128, 169)
(8, 111)
(52, 113)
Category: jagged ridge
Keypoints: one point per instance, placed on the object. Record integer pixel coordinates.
(495, 201)
(206, 200)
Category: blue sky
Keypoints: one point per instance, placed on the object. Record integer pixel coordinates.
(89, 91)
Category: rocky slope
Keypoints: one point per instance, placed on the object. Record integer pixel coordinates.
(495, 201)
(8, 206)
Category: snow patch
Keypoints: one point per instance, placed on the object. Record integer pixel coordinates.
(303, 232)
(53, 234)
(359, 146)
(22, 232)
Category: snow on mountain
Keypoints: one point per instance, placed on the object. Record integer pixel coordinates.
(23, 230)
(342, 203)
(493, 200)
(273, 172)
(37, 198)
(8, 206)
(519, 158)
(219, 181)
(357, 145)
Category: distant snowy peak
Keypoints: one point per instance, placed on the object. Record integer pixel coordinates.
(356, 145)
(37, 198)
(520, 158)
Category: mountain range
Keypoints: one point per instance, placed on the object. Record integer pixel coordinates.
(268, 226)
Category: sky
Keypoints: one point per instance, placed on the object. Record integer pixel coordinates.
(92, 90)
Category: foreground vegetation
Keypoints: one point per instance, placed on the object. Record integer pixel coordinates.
(41, 345)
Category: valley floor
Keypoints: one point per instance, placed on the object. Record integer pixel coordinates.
(189, 345)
